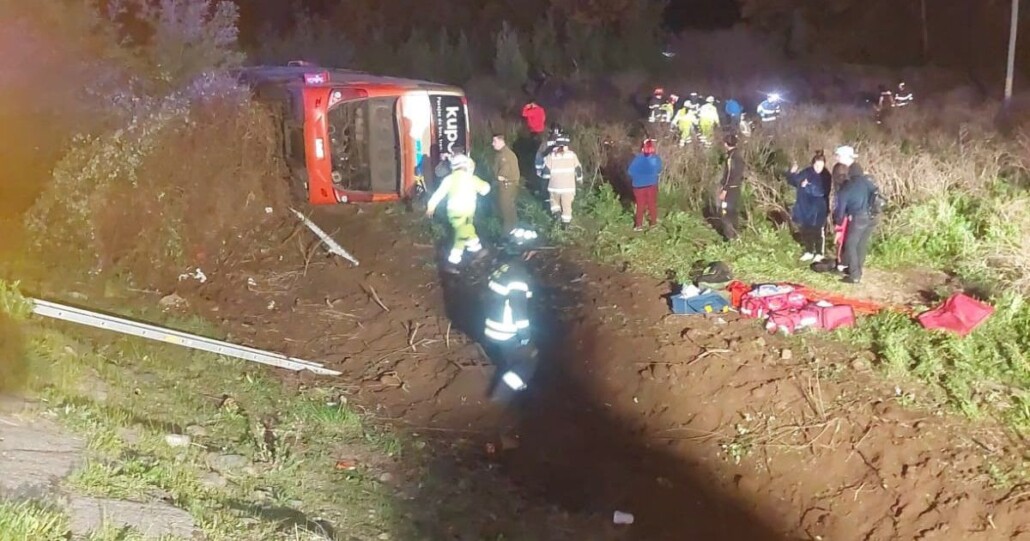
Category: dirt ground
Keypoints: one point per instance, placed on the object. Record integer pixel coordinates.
(703, 428)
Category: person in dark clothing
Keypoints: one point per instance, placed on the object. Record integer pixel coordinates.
(853, 214)
(506, 328)
(811, 206)
(730, 187)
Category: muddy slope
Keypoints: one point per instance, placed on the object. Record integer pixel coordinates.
(632, 409)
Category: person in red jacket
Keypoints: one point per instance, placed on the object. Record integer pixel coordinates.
(536, 119)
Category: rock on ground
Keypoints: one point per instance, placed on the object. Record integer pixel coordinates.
(34, 456)
(150, 519)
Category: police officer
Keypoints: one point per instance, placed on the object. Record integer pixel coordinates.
(730, 188)
(506, 328)
(854, 215)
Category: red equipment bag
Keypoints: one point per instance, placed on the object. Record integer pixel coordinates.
(790, 321)
(758, 306)
(959, 314)
(833, 317)
(737, 290)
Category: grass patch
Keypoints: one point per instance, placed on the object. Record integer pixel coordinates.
(125, 396)
(986, 374)
(31, 520)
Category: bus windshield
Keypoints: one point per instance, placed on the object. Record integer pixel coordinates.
(364, 146)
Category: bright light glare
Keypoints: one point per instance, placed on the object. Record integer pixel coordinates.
(774, 97)
(511, 379)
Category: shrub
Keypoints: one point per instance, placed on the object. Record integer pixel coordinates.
(14, 308)
(510, 65)
(177, 40)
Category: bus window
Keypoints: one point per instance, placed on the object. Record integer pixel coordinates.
(349, 146)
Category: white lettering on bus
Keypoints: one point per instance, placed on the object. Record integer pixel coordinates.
(451, 129)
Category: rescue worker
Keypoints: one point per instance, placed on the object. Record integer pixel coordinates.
(535, 118)
(769, 110)
(654, 104)
(811, 206)
(884, 103)
(734, 110)
(853, 215)
(668, 109)
(685, 123)
(444, 167)
(562, 171)
(708, 116)
(730, 188)
(744, 127)
(903, 97)
(462, 189)
(546, 146)
(506, 328)
(644, 171)
(506, 171)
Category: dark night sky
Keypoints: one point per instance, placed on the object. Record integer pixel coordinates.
(701, 14)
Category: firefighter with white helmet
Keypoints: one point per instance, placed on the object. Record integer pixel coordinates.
(769, 110)
(903, 97)
(708, 118)
(685, 123)
(462, 189)
(563, 171)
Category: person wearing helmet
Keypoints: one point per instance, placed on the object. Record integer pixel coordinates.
(668, 109)
(903, 97)
(685, 123)
(506, 328)
(654, 104)
(708, 118)
(461, 188)
(644, 171)
(769, 110)
(546, 146)
(443, 168)
(562, 171)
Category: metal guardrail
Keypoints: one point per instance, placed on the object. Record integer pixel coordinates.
(169, 336)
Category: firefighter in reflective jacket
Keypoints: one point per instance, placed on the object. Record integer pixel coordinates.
(563, 172)
(686, 124)
(769, 110)
(462, 189)
(654, 103)
(903, 97)
(668, 109)
(506, 327)
(709, 121)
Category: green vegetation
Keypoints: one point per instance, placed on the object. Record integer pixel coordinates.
(954, 207)
(282, 444)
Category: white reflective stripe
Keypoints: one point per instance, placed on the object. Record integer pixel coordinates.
(511, 379)
(498, 288)
(522, 324)
(561, 190)
(501, 327)
(563, 170)
(455, 257)
(499, 336)
(519, 286)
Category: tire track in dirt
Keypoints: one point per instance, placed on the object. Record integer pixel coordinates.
(632, 409)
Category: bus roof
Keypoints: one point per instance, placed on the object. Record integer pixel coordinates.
(337, 76)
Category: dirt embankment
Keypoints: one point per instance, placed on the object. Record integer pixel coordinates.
(633, 410)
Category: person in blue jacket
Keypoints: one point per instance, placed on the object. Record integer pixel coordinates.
(811, 207)
(733, 110)
(644, 171)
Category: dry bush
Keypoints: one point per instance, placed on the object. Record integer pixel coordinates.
(202, 192)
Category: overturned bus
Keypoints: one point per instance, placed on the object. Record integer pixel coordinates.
(349, 136)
